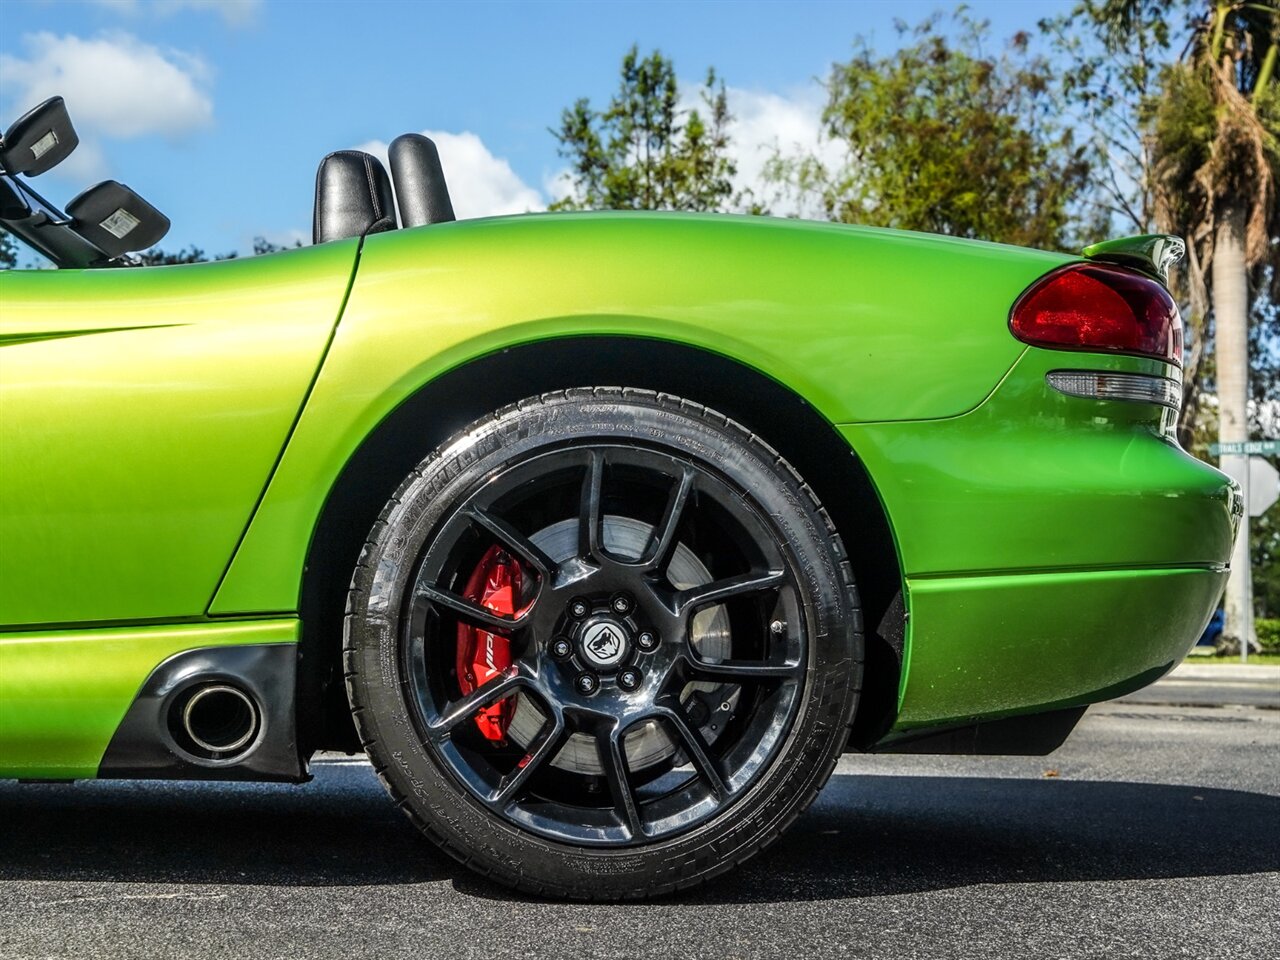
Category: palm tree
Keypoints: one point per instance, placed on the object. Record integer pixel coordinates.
(1216, 161)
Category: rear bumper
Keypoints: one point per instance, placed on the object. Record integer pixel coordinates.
(1056, 551)
(990, 646)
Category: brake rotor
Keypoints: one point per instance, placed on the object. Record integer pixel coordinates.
(648, 744)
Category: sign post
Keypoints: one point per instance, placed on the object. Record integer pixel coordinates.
(1260, 485)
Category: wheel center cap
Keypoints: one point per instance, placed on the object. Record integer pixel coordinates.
(605, 644)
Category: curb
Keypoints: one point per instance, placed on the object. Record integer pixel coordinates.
(1268, 675)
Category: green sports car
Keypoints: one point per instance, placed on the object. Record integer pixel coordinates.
(602, 534)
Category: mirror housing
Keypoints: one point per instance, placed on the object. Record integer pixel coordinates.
(38, 140)
(116, 220)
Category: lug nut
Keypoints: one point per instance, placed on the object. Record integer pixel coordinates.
(629, 678)
(647, 642)
(561, 648)
(587, 683)
(621, 604)
(579, 608)
(777, 628)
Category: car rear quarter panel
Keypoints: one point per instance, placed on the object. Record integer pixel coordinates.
(866, 325)
(1055, 550)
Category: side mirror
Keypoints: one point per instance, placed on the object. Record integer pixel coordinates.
(116, 220)
(38, 140)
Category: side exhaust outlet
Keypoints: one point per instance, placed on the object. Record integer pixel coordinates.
(220, 722)
(213, 713)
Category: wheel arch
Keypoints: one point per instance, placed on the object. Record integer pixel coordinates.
(443, 406)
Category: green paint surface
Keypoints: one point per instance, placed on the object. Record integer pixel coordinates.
(1034, 479)
(989, 646)
(865, 324)
(169, 436)
(141, 413)
(64, 692)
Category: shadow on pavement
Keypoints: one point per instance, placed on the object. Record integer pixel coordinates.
(866, 836)
(880, 836)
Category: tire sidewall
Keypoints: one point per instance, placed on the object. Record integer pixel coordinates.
(441, 805)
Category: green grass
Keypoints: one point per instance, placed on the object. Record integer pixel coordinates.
(1260, 659)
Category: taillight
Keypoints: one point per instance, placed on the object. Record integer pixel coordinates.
(1092, 306)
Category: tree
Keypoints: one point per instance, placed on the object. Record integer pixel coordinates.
(156, 257)
(645, 151)
(1217, 159)
(8, 251)
(261, 245)
(1116, 56)
(1265, 550)
(945, 138)
(1113, 60)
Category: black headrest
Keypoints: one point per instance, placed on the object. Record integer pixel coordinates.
(420, 186)
(353, 197)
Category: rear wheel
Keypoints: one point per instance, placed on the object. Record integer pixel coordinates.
(603, 644)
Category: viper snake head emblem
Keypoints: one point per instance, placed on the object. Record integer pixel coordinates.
(605, 646)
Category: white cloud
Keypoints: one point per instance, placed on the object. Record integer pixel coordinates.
(235, 13)
(763, 124)
(87, 164)
(559, 184)
(115, 86)
(480, 184)
(769, 123)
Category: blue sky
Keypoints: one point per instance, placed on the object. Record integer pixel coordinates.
(219, 110)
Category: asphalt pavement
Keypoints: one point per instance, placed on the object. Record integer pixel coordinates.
(1155, 832)
(1214, 684)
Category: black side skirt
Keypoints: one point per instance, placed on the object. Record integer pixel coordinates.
(144, 745)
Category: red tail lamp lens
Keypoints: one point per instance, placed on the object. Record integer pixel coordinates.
(1090, 306)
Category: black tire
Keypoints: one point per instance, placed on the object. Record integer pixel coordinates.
(401, 703)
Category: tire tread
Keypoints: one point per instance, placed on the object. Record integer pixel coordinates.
(696, 875)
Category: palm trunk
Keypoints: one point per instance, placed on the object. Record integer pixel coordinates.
(1231, 318)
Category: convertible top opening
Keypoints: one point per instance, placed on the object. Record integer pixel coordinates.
(105, 223)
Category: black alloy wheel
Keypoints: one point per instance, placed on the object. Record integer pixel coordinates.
(603, 644)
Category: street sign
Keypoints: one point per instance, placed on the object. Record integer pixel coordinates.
(1245, 448)
(1264, 486)
(1261, 484)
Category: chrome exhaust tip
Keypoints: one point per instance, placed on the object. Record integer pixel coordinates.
(185, 724)
(221, 721)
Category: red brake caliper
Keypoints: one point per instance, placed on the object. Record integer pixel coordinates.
(495, 585)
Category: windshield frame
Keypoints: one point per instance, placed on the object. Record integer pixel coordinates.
(44, 228)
